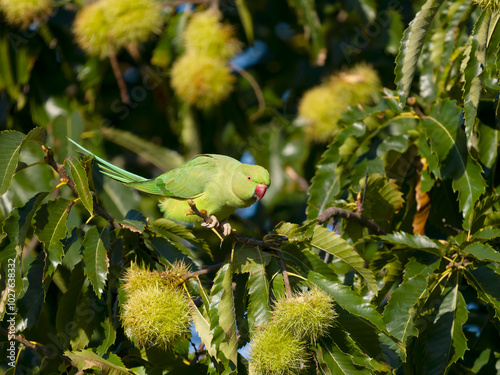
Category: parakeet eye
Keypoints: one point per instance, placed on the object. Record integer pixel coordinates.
(249, 178)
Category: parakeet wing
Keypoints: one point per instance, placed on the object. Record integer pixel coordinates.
(189, 180)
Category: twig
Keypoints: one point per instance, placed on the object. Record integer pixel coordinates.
(256, 89)
(181, 2)
(286, 280)
(59, 168)
(349, 215)
(118, 75)
(42, 349)
(301, 181)
(362, 204)
(204, 271)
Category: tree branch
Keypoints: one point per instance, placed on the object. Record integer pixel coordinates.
(204, 271)
(59, 168)
(37, 347)
(349, 215)
(286, 280)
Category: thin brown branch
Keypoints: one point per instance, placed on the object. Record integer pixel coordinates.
(256, 88)
(204, 271)
(349, 215)
(284, 272)
(59, 168)
(181, 2)
(37, 347)
(118, 75)
(301, 181)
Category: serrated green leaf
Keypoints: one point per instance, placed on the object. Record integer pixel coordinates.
(50, 228)
(222, 317)
(334, 244)
(398, 314)
(173, 231)
(96, 260)
(418, 242)
(79, 177)
(487, 284)
(411, 46)
(448, 142)
(382, 200)
(10, 146)
(86, 359)
(482, 252)
(258, 290)
(135, 221)
(443, 341)
(339, 362)
(203, 328)
(30, 305)
(487, 233)
(473, 66)
(487, 148)
(68, 305)
(109, 336)
(325, 185)
(349, 300)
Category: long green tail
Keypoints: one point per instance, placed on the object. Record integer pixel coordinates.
(111, 170)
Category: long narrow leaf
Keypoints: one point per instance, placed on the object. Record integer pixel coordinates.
(473, 67)
(96, 260)
(411, 46)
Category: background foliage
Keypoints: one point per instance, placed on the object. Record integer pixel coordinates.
(395, 215)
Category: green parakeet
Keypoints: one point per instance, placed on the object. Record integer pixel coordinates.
(216, 183)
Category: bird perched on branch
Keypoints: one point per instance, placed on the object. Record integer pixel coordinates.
(217, 184)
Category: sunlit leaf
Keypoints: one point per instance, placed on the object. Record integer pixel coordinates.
(411, 46)
(79, 177)
(222, 318)
(50, 228)
(96, 260)
(473, 66)
(328, 241)
(482, 252)
(86, 359)
(10, 145)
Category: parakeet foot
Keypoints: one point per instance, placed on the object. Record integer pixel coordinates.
(214, 223)
(226, 228)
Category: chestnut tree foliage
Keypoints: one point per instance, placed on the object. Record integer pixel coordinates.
(394, 214)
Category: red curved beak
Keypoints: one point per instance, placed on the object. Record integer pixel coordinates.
(260, 190)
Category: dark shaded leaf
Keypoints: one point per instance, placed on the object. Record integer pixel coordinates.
(448, 142)
(487, 284)
(442, 341)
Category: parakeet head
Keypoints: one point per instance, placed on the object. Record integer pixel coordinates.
(250, 182)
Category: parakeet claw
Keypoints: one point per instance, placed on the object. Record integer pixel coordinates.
(213, 222)
(226, 228)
